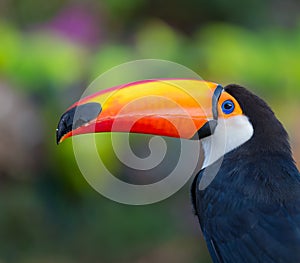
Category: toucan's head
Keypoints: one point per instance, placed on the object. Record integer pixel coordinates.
(183, 108)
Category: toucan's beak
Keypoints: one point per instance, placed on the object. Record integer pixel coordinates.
(182, 108)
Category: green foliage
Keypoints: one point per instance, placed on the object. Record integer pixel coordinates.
(157, 40)
(39, 59)
(109, 56)
(265, 59)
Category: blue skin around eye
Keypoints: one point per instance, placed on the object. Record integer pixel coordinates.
(228, 107)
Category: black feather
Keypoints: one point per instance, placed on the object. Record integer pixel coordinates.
(251, 210)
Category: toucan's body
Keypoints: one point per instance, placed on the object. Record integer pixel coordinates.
(251, 210)
(247, 194)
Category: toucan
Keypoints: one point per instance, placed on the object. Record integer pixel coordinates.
(247, 193)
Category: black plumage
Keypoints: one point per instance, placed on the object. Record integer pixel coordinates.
(251, 210)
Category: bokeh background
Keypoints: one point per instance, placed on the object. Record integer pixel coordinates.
(51, 50)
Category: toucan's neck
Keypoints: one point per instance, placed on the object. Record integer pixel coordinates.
(263, 167)
(269, 141)
(262, 151)
(265, 175)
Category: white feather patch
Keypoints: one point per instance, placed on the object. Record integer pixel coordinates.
(228, 135)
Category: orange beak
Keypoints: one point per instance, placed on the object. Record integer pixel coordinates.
(181, 108)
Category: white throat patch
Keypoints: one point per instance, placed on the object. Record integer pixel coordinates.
(228, 135)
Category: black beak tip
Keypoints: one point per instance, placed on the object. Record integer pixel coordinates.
(58, 136)
(64, 126)
(76, 117)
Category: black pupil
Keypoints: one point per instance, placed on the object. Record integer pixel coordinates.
(228, 106)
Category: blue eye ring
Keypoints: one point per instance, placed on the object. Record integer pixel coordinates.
(228, 106)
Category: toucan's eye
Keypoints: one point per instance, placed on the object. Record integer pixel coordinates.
(228, 106)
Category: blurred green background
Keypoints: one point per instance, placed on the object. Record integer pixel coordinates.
(51, 50)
